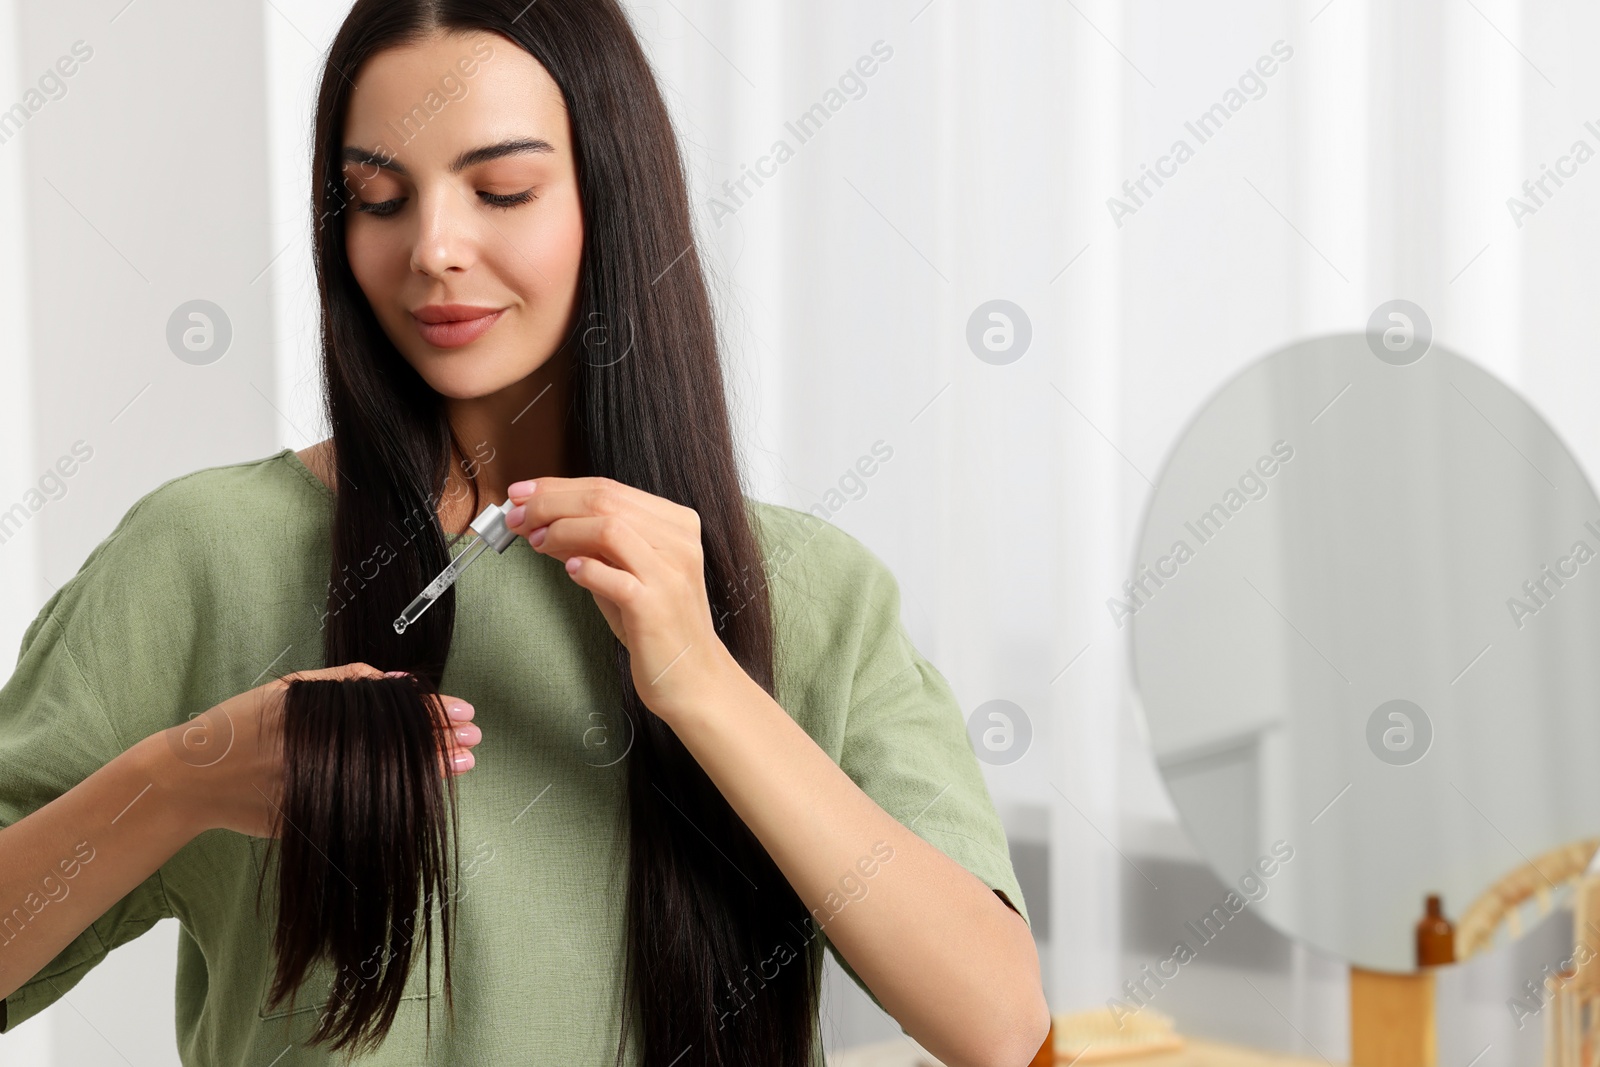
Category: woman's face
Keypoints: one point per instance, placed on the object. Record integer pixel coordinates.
(463, 191)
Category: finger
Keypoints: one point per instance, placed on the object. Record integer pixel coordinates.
(617, 586)
(346, 671)
(622, 490)
(341, 673)
(670, 529)
(670, 547)
(605, 537)
(457, 756)
(457, 710)
(459, 734)
(462, 731)
(563, 497)
(676, 538)
(662, 536)
(466, 735)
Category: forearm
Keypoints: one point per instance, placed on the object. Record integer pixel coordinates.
(943, 954)
(66, 864)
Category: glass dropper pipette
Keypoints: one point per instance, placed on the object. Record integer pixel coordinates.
(492, 532)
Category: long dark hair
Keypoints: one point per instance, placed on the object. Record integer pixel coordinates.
(708, 911)
(367, 838)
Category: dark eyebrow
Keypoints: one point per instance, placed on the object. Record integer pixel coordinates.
(470, 158)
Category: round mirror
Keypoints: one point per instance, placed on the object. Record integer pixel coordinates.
(1365, 624)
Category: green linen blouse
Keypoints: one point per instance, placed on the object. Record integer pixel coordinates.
(217, 580)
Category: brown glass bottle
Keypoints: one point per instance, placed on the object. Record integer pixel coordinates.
(1436, 937)
(1046, 1056)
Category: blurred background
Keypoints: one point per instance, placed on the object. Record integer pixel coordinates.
(991, 165)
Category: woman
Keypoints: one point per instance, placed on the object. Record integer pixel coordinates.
(706, 739)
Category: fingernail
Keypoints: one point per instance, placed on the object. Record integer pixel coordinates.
(460, 712)
(522, 488)
(465, 734)
(536, 538)
(462, 760)
(514, 516)
(396, 674)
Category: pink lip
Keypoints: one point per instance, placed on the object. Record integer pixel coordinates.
(456, 332)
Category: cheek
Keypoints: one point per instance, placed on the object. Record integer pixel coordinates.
(549, 250)
(372, 256)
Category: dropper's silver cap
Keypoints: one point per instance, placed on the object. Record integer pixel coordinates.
(491, 526)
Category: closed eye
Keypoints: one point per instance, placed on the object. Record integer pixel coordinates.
(387, 207)
(498, 200)
(509, 199)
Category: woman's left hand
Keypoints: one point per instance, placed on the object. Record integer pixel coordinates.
(639, 555)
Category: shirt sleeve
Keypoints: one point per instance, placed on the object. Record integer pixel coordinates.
(906, 746)
(54, 733)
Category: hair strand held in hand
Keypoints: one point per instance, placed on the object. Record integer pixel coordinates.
(366, 848)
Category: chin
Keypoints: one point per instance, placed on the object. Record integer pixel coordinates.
(450, 375)
(462, 387)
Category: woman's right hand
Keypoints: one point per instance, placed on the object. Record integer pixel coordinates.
(228, 762)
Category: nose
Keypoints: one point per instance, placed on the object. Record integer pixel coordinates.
(446, 239)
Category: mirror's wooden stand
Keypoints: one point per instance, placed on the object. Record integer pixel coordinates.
(1392, 1019)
